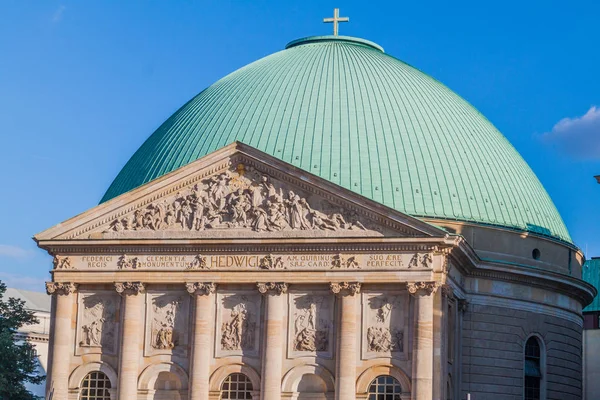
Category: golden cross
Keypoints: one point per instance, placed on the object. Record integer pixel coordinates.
(336, 20)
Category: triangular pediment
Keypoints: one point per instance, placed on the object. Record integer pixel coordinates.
(236, 193)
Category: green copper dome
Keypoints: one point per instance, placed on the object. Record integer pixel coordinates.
(342, 109)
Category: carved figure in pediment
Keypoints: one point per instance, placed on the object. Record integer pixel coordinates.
(163, 324)
(238, 332)
(240, 206)
(311, 334)
(97, 326)
(297, 211)
(236, 199)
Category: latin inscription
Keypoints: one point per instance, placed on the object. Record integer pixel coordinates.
(258, 261)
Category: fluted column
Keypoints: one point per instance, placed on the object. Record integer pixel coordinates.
(201, 346)
(422, 379)
(131, 338)
(345, 371)
(59, 367)
(272, 363)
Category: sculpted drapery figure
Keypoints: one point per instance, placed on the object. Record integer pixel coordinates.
(238, 199)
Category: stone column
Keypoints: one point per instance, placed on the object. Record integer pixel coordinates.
(59, 365)
(131, 338)
(422, 367)
(345, 371)
(272, 363)
(201, 345)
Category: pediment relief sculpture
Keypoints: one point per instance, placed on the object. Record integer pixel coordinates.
(241, 199)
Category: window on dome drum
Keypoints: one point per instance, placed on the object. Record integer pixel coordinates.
(95, 387)
(236, 386)
(533, 370)
(385, 388)
(536, 254)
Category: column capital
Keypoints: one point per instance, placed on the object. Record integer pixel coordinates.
(422, 288)
(345, 288)
(60, 288)
(448, 291)
(200, 288)
(272, 287)
(129, 288)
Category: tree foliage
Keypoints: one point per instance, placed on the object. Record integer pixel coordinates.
(17, 361)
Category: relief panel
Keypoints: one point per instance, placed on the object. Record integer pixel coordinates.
(385, 325)
(97, 322)
(238, 324)
(310, 324)
(167, 318)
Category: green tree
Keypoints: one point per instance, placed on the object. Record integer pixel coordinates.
(17, 361)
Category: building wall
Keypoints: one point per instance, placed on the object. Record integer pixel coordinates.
(493, 353)
(591, 366)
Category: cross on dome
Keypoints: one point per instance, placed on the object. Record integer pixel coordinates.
(336, 20)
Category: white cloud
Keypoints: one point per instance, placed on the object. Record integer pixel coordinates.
(578, 136)
(58, 14)
(15, 252)
(23, 282)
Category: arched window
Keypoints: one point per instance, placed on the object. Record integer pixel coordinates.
(236, 386)
(95, 386)
(385, 387)
(533, 369)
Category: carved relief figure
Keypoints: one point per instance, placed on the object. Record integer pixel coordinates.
(271, 262)
(310, 332)
(236, 199)
(199, 262)
(62, 262)
(382, 335)
(344, 261)
(163, 323)
(97, 326)
(418, 260)
(126, 262)
(238, 332)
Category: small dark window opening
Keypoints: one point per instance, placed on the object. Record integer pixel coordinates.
(533, 371)
(536, 254)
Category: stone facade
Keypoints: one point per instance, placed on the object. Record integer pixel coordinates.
(241, 264)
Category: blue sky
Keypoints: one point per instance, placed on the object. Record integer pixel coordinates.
(84, 83)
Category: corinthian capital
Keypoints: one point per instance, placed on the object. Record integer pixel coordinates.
(129, 288)
(272, 287)
(60, 288)
(200, 288)
(422, 288)
(345, 288)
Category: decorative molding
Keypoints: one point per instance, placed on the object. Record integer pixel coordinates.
(129, 288)
(422, 288)
(201, 288)
(277, 288)
(60, 288)
(345, 288)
